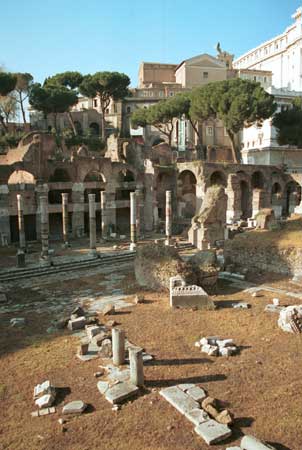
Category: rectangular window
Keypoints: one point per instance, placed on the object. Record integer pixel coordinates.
(114, 108)
(95, 103)
(209, 131)
(205, 75)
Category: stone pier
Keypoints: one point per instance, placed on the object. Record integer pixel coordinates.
(118, 346)
(133, 220)
(168, 217)
(104, 230)
(44, 227)
(136, 366)
(92, 224)
(139, 213)
(65, 218)
(22, 242)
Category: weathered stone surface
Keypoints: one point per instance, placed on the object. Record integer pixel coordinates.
(265, 219)
(99, 338)
(224, 417)
(213, 432)
(205, 266)
(78, 311)
(18, 322)
(209, 224)
(106, 349)
(43, 388)
(108, 310)
(156, 264)
(45, 401)
(197, 416)
(75, 407)
(120, 392)
(179, 399)
(241, 305)
(190, 297)
(44, 412)
(76, 324)
(252, 443)
(185, 386)
(103, 386)
(92, 330)
(197, 393)
(290, 319)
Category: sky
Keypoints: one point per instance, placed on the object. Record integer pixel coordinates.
(45, 38)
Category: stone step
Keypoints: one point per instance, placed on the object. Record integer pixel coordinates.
(74, 265)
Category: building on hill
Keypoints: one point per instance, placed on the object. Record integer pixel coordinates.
(278, 66)
(282, 55)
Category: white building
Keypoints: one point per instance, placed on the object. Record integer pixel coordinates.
(281, 55)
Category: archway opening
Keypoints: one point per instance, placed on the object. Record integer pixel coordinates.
(94, 128)
(245, 199)
(218, 178)
(257, 180)
(186, 194)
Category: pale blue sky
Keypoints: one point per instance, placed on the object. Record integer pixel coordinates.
(45, 38)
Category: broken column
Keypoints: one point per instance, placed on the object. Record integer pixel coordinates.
(104, 230)
(44, 227)
(65, 218)
(168, 217)
(133, 220)
(136, 366)
(92, 224)
(118, 346)
(140, 222)
(22, 243)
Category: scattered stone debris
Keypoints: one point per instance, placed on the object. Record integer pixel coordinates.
(18, 322)
(44, 412)
(121, 392)
(77, 323)
(191, 401)
(139, 298)
(45, 401)
(215, 346)
(108, 310)
(290, 319)
(75, 407)
(252, 443)
(256, 294)
(241, 305)
(43, 389)
(111, 323)
(273, 308)
(61, 421)
(183, 296)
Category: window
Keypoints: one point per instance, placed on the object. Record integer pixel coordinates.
(115, 108)
(205, 75)
(95, 103)
(107, 111)
(209, 131)
(171, 94)
(264, 79)
(128, 109)
(255, 78)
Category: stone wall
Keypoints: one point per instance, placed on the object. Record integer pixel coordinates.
(287, 261)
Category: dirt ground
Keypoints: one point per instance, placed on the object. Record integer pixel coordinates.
(261, 385)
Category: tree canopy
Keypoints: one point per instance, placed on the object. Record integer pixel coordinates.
(289, 125)
(7, 83)
(238, 103)
(52, 98)
(105, 86)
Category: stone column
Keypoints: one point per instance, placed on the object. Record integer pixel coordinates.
(5, 236)
(136, 366)
(92, 223)
(44, 227)
(78, 210)
(65, 218)
(118, 346)
(104, 230)
(41, 191)
(138, 213)
(133, 220)
(22, 242)
(168, 217)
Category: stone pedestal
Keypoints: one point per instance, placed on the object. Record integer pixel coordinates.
(22, 242)
(92, 224)
(118, 346)
(65, 218)
(136, 366)
(20, 258)
(132, 220)
(44, 227)
(168, 217)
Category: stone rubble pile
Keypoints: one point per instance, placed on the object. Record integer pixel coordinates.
(44, 397)
(290, 319)
(192, 401)
(215, 346)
